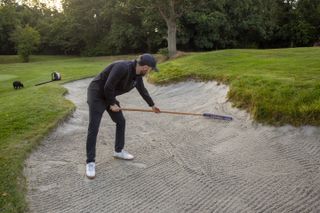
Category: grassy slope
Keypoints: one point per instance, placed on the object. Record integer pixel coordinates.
(277, 86)
(30, 113)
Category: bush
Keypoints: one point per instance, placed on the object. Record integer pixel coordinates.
(164, 52)
(26, 40)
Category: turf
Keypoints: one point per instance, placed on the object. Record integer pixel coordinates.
(277, 86)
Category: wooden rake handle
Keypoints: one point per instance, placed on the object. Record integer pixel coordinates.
(208, 115)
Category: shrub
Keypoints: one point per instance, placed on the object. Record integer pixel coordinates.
(26, 40)
(164, 52)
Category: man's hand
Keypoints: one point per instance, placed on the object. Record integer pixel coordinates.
(156, 109)
(115, 108)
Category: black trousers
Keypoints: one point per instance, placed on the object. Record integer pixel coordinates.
(97, 106)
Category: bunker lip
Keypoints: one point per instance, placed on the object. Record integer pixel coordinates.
(182, 163)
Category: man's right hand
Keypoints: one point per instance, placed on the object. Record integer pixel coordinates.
(156, 109)
(115, 108)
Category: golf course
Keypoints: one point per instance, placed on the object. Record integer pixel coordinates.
(275, 87)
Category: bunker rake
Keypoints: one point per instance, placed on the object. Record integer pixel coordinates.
(207, 115)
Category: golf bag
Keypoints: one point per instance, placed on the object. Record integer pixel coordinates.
(55, 76)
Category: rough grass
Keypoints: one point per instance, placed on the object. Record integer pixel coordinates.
(277, 86)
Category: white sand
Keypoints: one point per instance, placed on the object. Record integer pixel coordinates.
(182, 163)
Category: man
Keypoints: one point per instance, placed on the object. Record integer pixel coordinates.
(118, 78)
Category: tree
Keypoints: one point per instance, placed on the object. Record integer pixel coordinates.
(103, 27)
(99, 27)
(77, 29)
(206, 27)
(27, 40)
(308, 31)
(8, 22)
(170, 11)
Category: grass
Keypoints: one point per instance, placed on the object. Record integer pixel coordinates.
(277, 86)
(28, 114)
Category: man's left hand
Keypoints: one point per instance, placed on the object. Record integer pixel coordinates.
(115, 108)
(156, 109)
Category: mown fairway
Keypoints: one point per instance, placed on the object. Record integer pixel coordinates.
(277, 86)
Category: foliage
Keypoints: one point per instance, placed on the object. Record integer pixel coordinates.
(213, 25)
(27, 40)
(99, 27)
(164, 52)
(308, 29)
(170, 11)
(8, 23)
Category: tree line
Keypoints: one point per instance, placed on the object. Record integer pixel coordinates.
(109, 27)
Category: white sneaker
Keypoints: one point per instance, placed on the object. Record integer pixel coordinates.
(91, 170)
(123, 155)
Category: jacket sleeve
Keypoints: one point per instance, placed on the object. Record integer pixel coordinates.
(116, 74)
(144, 92)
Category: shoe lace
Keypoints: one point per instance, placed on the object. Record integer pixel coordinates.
(91, 167)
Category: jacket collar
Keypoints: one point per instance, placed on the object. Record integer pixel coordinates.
(134, 64)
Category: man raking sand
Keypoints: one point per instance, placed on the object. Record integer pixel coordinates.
(116, 79)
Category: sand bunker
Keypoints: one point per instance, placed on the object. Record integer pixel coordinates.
(182, 163)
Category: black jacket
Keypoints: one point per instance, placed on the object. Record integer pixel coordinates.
(116, 79)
